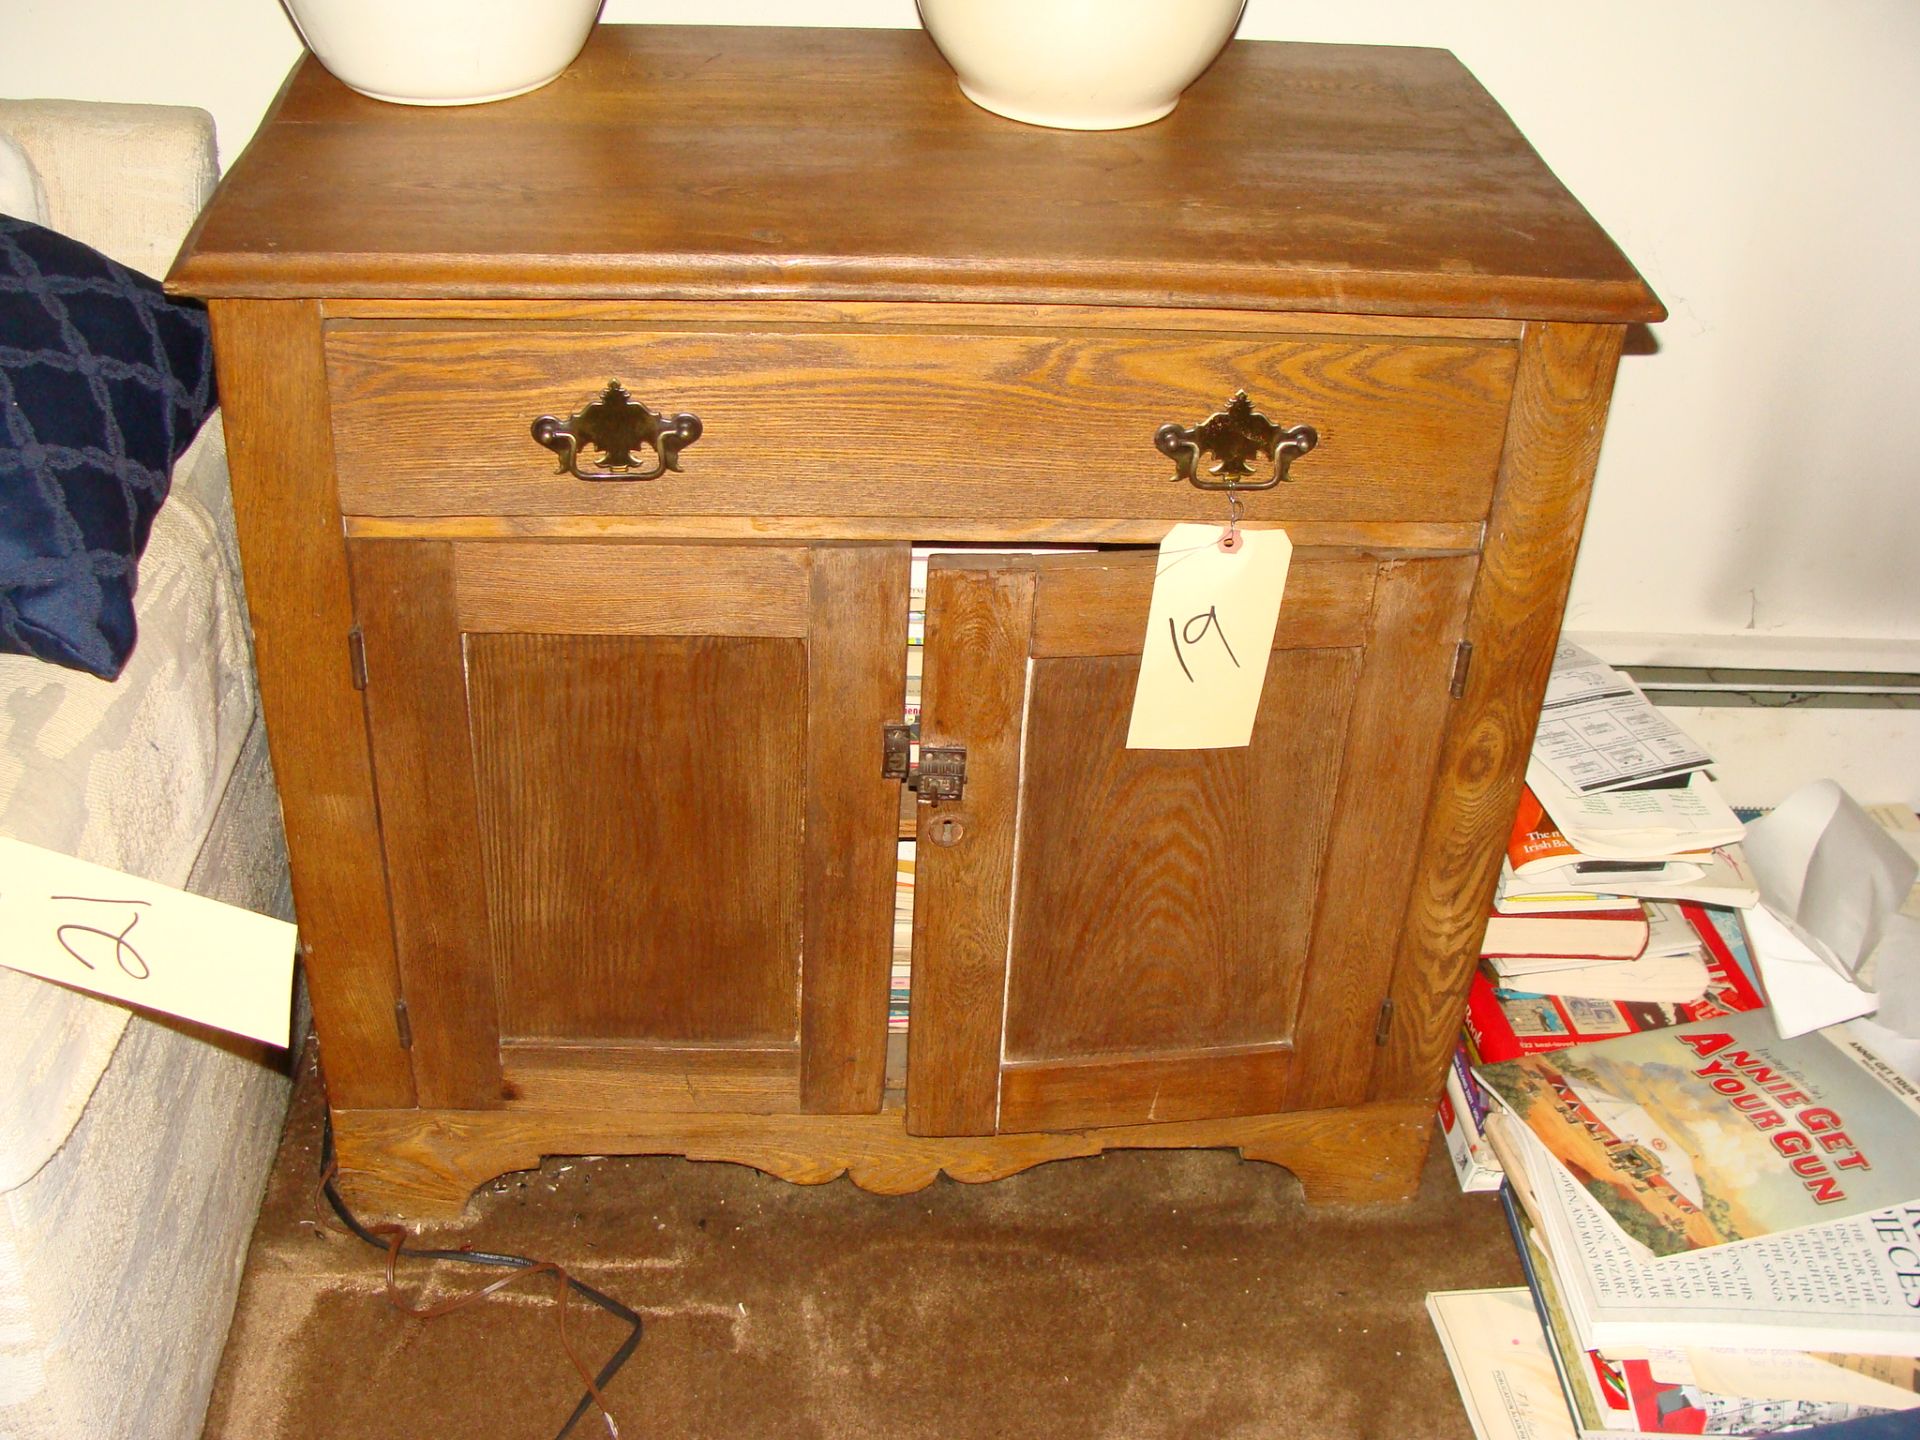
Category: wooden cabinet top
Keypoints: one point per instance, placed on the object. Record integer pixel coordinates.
(694, 162)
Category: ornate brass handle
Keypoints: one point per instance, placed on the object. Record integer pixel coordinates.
(1234, 437)
(615, 424)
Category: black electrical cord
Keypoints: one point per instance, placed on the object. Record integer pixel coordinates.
(481, 1257)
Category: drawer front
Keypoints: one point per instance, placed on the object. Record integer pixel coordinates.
(435, 420)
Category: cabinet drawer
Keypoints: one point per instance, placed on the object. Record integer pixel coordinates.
(435, 420)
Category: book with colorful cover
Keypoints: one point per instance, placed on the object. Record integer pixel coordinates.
(1506, 1023)
(1720, 1131)
(1536, 846)
(1535, 842)
(1461, 1110)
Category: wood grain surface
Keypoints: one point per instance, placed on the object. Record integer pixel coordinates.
(1097, 604)
(844, 164)
(608, 818)
(417, 722)
(641, 819)
(856, 684)
(1400, 709)
(1165, 898)
(610, 1077)
(556, 588)
(273, 392)
(979, 619)
(1144, 1089)
(1546, 475)
(423, 1164)
(1382, 535)
(435, 420)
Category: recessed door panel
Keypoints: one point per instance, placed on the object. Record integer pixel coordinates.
(1165, 897)
(641, 830)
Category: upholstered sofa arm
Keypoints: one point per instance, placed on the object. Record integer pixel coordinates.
(127, 179)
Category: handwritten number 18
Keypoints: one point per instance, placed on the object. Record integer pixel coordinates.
(1193, 632)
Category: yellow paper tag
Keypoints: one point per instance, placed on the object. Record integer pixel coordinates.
(149, 945)
(1209, 634)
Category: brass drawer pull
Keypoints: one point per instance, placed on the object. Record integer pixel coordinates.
(1234, 437)
(615, 424)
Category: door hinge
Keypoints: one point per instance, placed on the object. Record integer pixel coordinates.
(1384, 1024)
(357, 657)
(940, 773)
(1462, 662)
(403, 1024)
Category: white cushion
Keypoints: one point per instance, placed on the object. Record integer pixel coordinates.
(125, 774)
(20, 192)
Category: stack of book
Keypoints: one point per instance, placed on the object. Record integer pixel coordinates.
(1504, 1024)
(1721, 1234)
(900, 987)
(1615, 909)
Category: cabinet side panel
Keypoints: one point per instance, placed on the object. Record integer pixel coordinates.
(1540, 503)
(273, 391)
(856, 683)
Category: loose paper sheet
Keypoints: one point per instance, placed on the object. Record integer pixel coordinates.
(1834, 879)
(1598, 731)
(1209, 634)
(1804, 992)
(1632, 824)
(149, 945)
(1501, 1363)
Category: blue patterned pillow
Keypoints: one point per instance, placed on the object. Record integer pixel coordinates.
(104, 381)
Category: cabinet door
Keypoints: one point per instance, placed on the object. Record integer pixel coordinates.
(1105, 936)
(638, 850)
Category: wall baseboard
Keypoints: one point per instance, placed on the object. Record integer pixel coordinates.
(1751, 651)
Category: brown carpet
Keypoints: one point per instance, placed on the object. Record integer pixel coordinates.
(1140, 1294)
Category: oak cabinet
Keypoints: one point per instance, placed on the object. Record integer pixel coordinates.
(583, 773)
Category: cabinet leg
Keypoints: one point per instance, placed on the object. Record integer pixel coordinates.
(1355, 1158)
(426, 1170)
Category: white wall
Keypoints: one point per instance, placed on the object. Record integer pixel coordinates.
(1751, 156)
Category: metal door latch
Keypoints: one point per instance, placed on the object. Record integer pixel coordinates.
(941, 773)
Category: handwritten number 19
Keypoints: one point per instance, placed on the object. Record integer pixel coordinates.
(1196, 630)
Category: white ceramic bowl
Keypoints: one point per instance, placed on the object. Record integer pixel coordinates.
(1079, 64)
(444, 52)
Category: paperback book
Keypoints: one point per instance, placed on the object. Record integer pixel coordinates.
(1617, 933)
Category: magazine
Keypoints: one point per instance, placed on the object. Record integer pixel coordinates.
(1500, 1361)
(1848, 1286)
(1657, 1390)
(1720, 1131)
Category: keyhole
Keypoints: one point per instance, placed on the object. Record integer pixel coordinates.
(945, 830)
